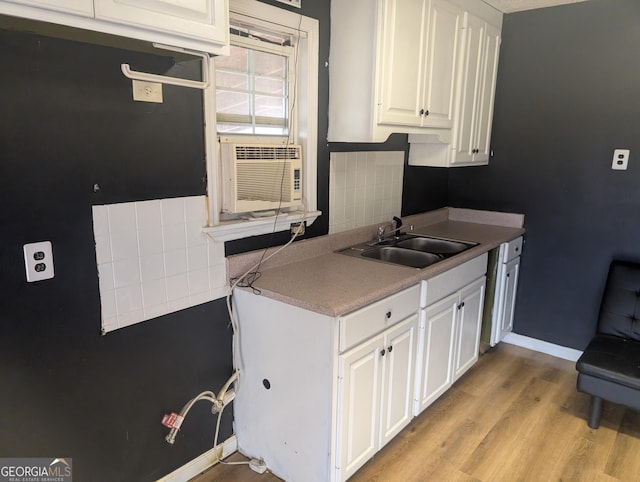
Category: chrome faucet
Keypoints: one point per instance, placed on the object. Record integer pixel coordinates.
(397, 222)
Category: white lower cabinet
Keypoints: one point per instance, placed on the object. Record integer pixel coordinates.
(375, 392)
(469, 321)
(319, 395)
(450, 325)
(506, 285)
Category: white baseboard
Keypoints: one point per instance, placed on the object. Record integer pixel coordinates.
(203, 462)
(543, 346)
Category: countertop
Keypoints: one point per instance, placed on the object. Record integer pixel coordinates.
(334, 284)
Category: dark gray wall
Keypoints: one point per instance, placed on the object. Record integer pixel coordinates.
(68, 122)
(567, 95)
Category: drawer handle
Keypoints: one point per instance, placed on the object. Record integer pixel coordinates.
(517, 249)
(382, 352)
(390, 349)
(388, 315)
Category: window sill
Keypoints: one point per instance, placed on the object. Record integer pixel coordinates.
(243, 228)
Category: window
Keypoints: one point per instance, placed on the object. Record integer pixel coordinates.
(268, 86)
(253, 84)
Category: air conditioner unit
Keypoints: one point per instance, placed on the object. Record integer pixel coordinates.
(260, 176)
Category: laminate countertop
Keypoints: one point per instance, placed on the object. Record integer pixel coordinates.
(311, 275)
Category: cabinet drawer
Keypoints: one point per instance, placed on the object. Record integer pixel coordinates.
(514, 248)
(366, 322)
(450, 281)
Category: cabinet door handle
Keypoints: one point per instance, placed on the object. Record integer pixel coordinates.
(461, 305)
(421, 111)
(388, 315)
(390, 348)
(426, 113)
(382, 352)
(508, 275)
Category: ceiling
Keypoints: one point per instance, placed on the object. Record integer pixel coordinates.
(508, 6)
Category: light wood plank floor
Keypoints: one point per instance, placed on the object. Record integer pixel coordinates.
(515, 416)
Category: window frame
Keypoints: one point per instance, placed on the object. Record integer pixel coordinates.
(266, 16)
(290, 54)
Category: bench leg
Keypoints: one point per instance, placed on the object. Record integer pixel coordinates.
(596, 411)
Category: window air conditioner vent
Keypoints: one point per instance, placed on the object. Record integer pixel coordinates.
(258, 177)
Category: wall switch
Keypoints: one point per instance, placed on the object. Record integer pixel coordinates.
(38, 261)
(620, 159)
(147, 91)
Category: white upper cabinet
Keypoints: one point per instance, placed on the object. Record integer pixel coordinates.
(407, 82)
(417, 67)
(74, 7)
(201, 25)
(479, 66)
(201, 19)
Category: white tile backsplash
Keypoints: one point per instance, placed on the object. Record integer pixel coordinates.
(364, 188)
(153, 259)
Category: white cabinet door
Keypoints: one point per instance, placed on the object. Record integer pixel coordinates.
(398, 378)
(468, 327)
(440, 75)
(201, 19)
(402, 67)
(75, 7)
(486, 98)
(464, 143)
(359, 372)
(511, 285)
(479, 67)
(418, 66)
(437, 339)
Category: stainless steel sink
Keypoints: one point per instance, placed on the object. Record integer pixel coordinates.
(434, 245)
(403, 256)
(412, 250)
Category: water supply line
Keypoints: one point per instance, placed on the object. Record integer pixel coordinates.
(224, 397)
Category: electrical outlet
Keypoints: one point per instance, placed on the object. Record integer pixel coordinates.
(297, 228)
(38, 261)
(620, 159)
(147, 91)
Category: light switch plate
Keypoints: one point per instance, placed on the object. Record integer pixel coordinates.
(38, 261)
(620, 159)
(147, 91)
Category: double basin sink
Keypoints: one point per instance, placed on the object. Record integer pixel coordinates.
(412, 250)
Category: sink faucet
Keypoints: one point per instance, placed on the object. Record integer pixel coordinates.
(397, 222)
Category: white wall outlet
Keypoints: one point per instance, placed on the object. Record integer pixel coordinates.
(147, 91)
(38, 261)
(620, 159)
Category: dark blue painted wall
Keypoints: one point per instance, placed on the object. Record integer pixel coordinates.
(567, 96)
(68, 122)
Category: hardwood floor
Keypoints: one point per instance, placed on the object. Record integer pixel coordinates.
(515, 416)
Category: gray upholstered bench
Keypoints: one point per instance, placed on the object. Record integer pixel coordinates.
(609, 368)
